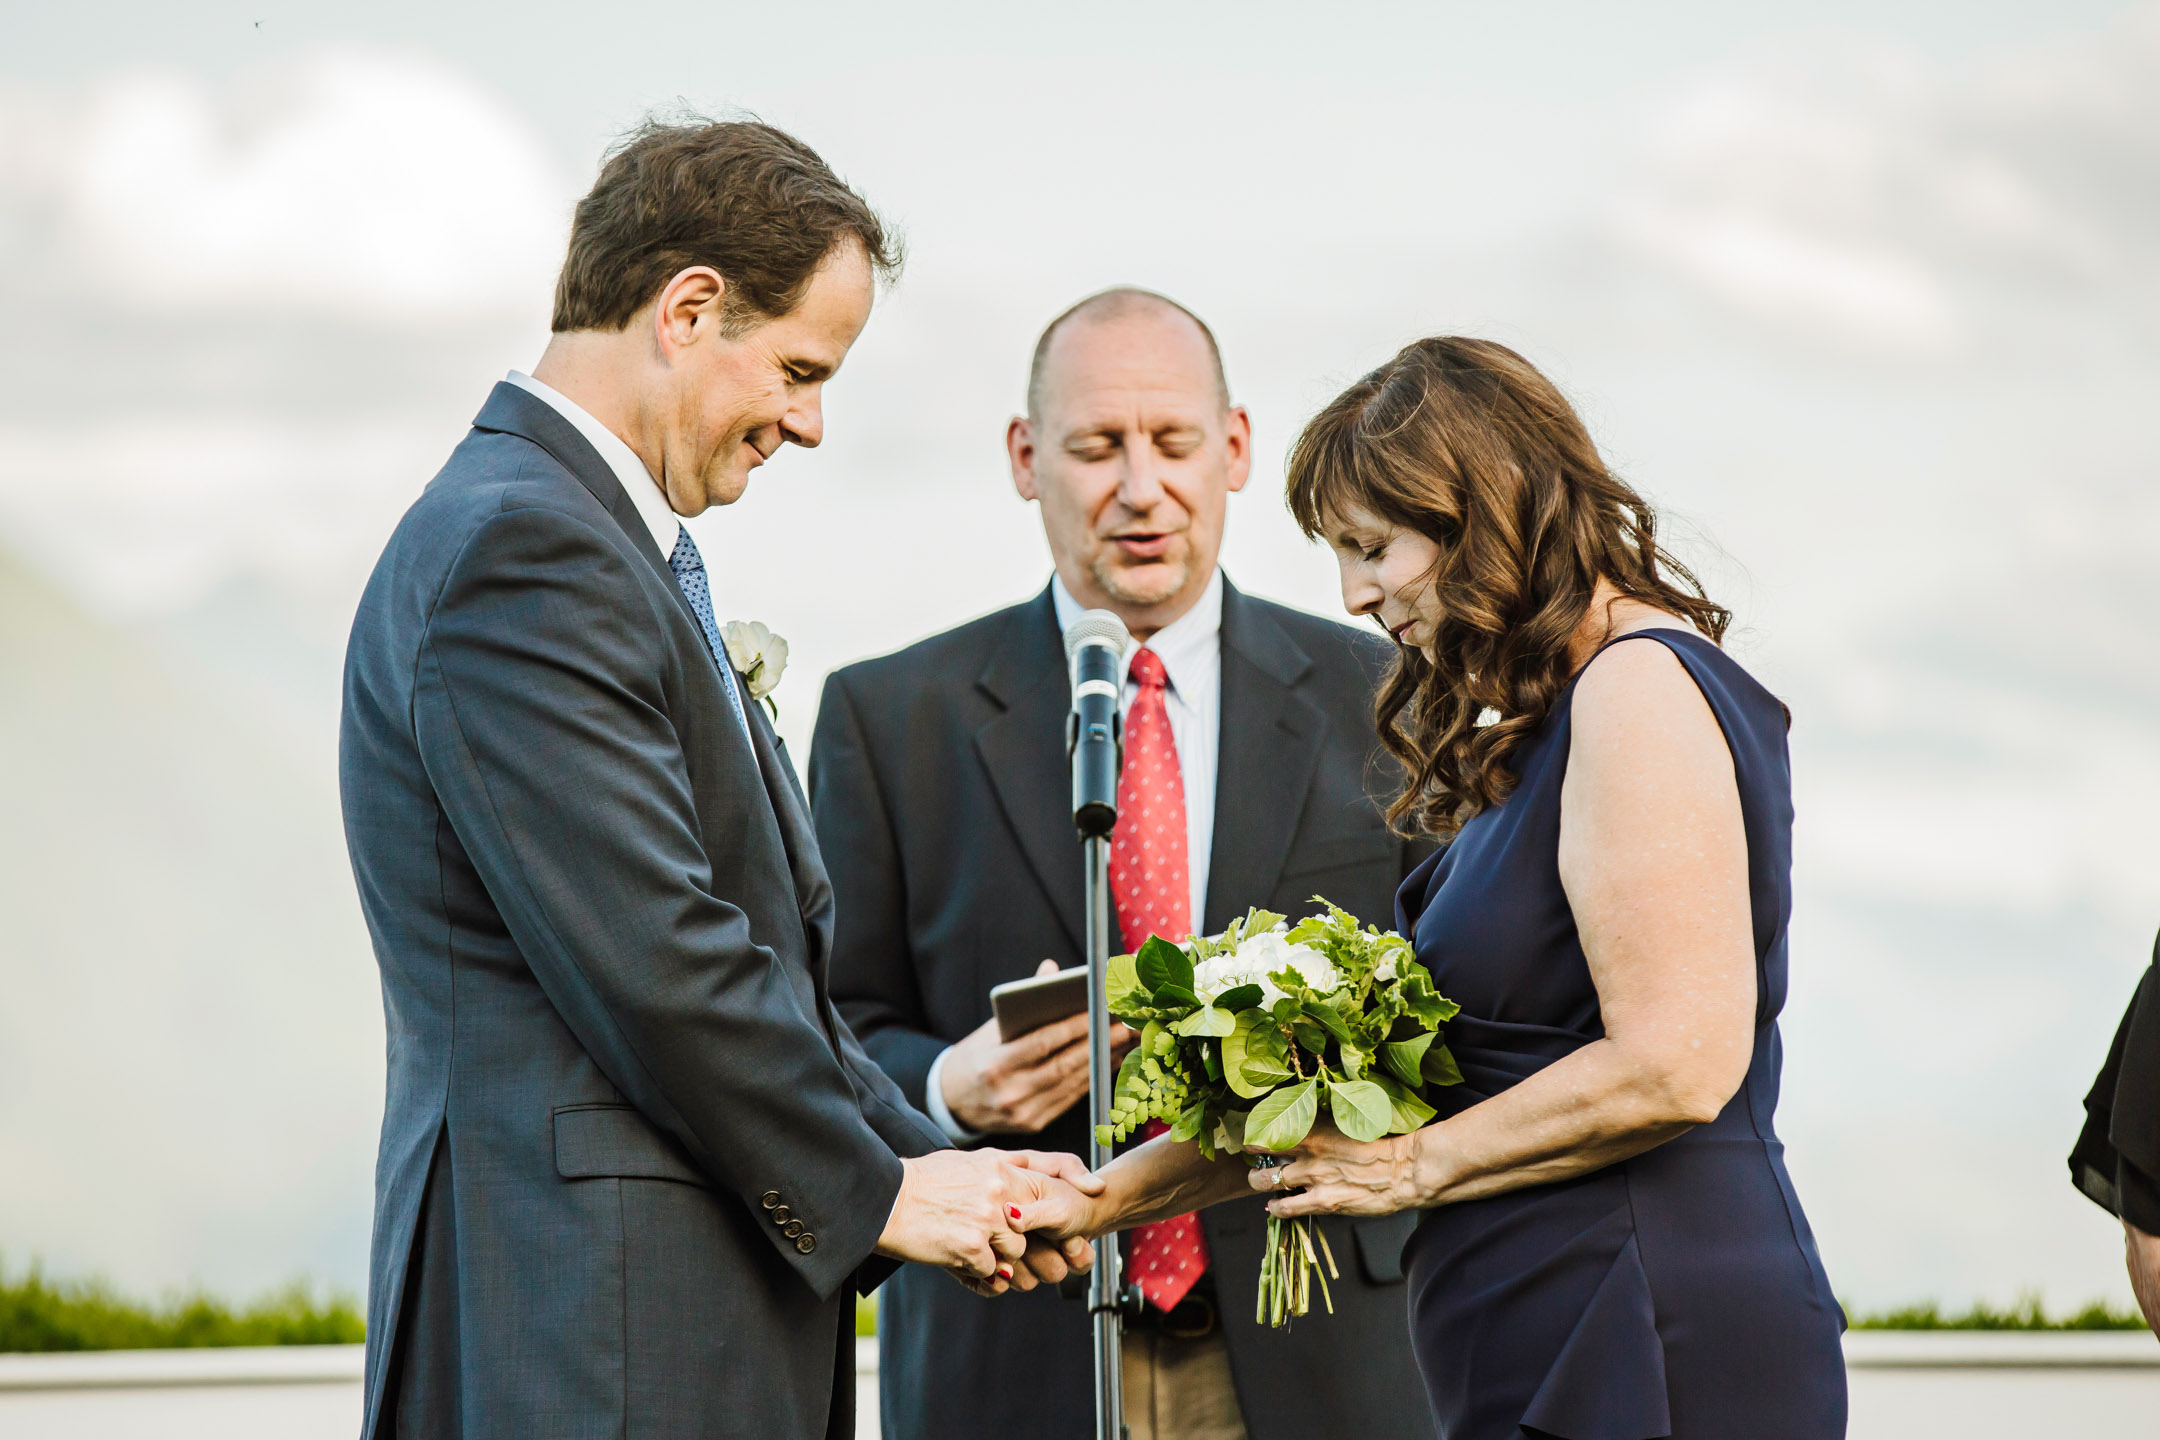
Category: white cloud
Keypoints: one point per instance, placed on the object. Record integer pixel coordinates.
(355, 182)
(1851, 190)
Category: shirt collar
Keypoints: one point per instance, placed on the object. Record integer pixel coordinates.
(630, 472)
(1188, 646)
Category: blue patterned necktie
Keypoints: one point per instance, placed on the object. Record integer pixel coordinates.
(689, 568)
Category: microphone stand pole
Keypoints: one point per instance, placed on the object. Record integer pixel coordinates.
(1094, 648)
(1104, 1289)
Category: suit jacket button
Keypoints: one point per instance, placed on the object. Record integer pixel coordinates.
(793, 1228)
(781, 1215)
(769, 1199)
(805, 1242)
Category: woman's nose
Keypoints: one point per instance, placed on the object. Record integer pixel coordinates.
(1360, 596)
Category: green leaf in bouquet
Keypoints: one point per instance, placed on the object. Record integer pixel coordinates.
(1310, 1037)
(1121, 985)
(1313, 930)
(1234, 1055)
(1259, 922)
(1354, 1059)
(1404, 1057)
(1187, 1124)
(1440, 1068)
(1207, 1020)
(1287, 1009)
(1260, 1073)
(1408, 1112)
(1211, 1061)
(1361, 1109)
(1284, 1117)
(1230, 1131)
(1254, 1059)
(1237, 997)
(1421, 1000)
(1330, 1019)
(1159, 963)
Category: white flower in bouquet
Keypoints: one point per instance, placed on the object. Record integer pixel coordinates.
(1268, 953)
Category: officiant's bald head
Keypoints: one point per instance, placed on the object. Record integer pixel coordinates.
(1108, 307)
(1131, 448)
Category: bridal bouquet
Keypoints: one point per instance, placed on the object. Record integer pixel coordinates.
(1244, 1035)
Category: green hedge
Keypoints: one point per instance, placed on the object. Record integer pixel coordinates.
(2026, 1314)
(39, 1314)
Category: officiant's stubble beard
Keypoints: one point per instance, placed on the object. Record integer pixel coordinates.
(1146, 583)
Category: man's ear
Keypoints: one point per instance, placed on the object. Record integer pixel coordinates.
(1238, 440)
(1020, 454)
(692, 299)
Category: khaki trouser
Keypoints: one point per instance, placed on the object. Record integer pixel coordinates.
(1179, 1389)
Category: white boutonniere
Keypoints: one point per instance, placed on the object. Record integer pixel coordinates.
(759, 654)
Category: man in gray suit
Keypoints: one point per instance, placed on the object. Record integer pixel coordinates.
(632, 1162)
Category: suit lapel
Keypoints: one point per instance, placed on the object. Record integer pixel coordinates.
(514, 410)
(1270, 741)
(517, 411)
(1023, 749)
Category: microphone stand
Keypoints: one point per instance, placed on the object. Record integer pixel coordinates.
(1096, 742)
(1104, 1289)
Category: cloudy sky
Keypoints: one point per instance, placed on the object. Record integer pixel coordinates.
(1871, 305)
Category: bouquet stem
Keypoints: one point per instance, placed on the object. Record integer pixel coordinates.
(1296, 1253)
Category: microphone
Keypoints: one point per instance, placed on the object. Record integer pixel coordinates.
(1095, 656)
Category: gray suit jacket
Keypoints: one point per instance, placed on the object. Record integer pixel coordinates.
(942, 795)
(631, 1158)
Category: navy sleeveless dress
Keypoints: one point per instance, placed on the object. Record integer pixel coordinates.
(1678, 1293)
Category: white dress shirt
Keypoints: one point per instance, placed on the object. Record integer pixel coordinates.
(1190, 648)
(630, 472)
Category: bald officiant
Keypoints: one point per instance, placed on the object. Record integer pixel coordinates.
(942, 798)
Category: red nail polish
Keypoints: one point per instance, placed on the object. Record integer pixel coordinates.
(1013, 1210)
(1004, 1272)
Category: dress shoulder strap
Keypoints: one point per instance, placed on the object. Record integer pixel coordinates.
(1736, 697)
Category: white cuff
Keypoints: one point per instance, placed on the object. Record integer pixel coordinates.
(934, 1095)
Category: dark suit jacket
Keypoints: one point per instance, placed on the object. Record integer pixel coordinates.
(603, 928)
(940, 786)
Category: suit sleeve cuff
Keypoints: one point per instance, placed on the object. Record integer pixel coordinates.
(934, 1106)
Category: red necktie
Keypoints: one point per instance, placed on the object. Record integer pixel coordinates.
(1152, 889)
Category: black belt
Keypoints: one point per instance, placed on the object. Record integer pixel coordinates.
(1193, 1318)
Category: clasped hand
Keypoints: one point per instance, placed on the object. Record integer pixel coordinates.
(969, 1213)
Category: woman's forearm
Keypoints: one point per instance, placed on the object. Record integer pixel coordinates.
(1580, 1113)
(1163, 1178)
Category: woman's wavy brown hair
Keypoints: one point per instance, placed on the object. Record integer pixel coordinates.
(1466, 443)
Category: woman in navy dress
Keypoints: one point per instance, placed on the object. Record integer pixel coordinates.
(1612, 1249)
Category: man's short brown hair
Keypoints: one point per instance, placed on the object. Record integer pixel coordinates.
(751, 201)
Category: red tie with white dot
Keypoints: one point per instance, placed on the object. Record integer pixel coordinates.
(1152, 889)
